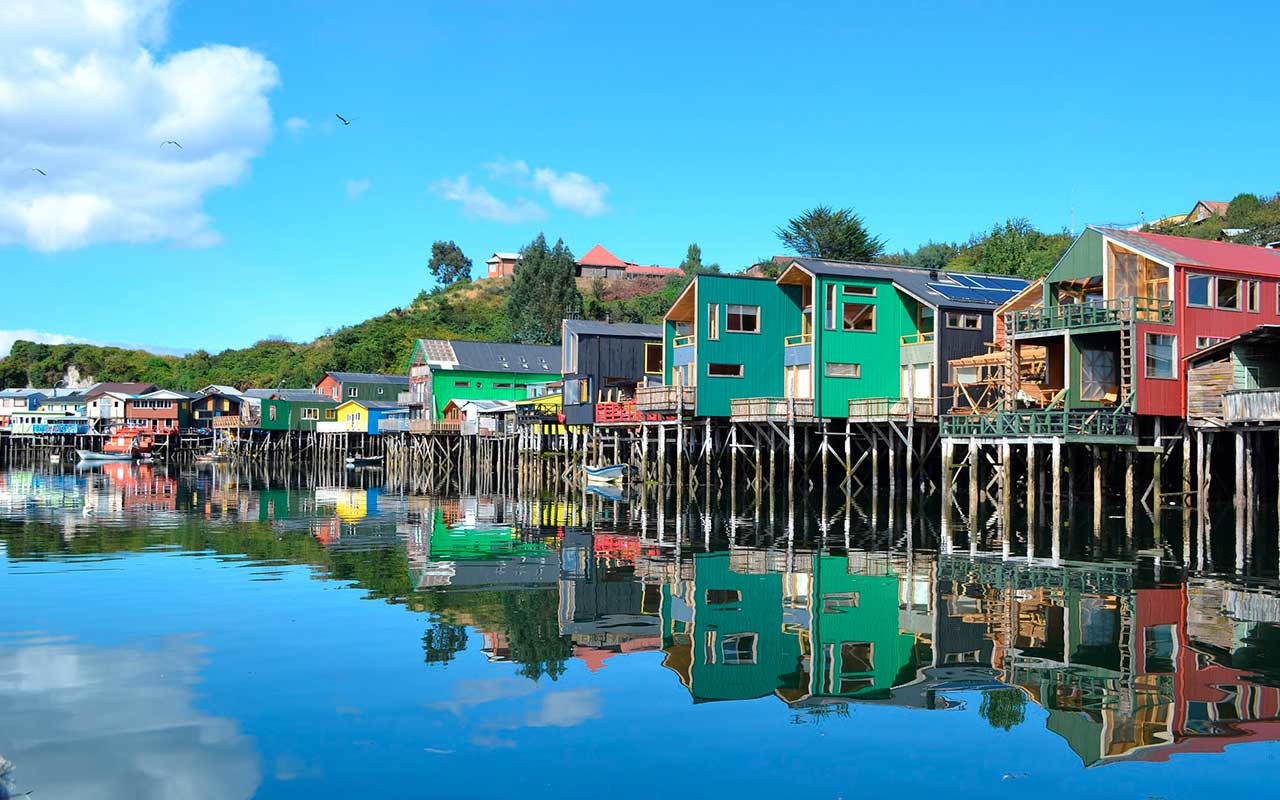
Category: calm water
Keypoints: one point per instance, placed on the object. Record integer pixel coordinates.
(203, 634)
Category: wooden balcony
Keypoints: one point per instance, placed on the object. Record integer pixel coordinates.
(917, 338)
(892, 409)
(234, 421)
(1101, 314)
(771, 409)
(441, 426)
(622, 412)
(395, 425)
(1254, 405)
(1102, 425)
(666, 399)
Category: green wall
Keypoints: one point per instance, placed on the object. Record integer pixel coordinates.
(369, 391)
(482, 386)
(289, 414)
(878, 353)
(1083, 259)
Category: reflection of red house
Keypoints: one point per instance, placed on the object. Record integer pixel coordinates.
(327, 531)
(142, 487)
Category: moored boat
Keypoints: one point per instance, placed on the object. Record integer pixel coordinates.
(363, 461)
(126, 444)
(611, 473)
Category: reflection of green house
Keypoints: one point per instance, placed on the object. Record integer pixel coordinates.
(859, 649)
(455, 543)
(723, 632)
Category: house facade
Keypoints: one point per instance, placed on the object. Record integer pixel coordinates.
(600, 263)
(441, 370)
(209, 406)
(360, 416)
(605, 363)
(343, 386)
(292, 409)
(501, 265)
(161, 411)
(12, 400)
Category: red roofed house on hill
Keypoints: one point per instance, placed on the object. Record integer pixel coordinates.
(600, 263)
(1206, 209)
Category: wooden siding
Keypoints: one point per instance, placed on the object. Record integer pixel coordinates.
(601, 358)
(1083, 259)
(878, 353)
(1206, 383)
(953, 343)
(481, 386)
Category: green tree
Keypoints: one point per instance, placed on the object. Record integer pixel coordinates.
(1004, 708)
(1242, 209)
(448, 264)
(837, 234)
(442, 642)
(1014, 248)
(692, 263)
(934, 255)
(544, 292)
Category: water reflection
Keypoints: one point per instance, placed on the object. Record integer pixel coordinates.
(1122, 660)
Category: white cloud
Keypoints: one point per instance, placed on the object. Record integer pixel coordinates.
(296, 125)
(573, 191)
(7, 338)
(502, 168)
(478, 202)
(83, 99)
(357, 187)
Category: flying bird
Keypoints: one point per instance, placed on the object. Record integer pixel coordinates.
(345, 121)
(42, 172)
(172, 142)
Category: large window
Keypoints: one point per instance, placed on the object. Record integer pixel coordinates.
(1098, 381)
(831, 307)
(835, 370)
(1198, 287)
(1228, 293)
(310, 414)
(1160, 354)
(742, 319)
(724, 370)
(713, 321)
(859, 317)
(653, 358)
(738, 648)
(968, 322)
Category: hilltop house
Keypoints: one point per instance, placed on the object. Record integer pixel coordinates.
(1205, 209)
(341, 386)
(604, 363)
(502, 265)
(441, 370)
(600, 263)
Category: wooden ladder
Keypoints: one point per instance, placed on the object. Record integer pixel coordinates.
(1126, 360)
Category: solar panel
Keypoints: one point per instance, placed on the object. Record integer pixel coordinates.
(1014, 285)
(967, 293)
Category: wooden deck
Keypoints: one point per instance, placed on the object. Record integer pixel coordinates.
(666, 399)
(771, 409)
(1246, 406)
(891, 409)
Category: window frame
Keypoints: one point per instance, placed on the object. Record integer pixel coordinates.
(353, 392)
(844, 322)
(742, 369)
(1252, 296)
(713, 322)
(856, 371)
(1173, 357)
(857, 290)
(833, 304)
(309, 414)
(1217, 293)
(652, 346)
(729, 314)
(1209, 292)
(956, 321)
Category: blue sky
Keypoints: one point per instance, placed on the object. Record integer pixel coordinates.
(642, 128)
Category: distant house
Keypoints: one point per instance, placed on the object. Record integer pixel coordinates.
(163, 411)
(291, 409)
(208, 406)
(600, 263)
(342, 386)
(106, 401)
(502, 265)
(75, 404)
(219, 388)
(604, 363)
(441, 370)
(360, 416)
(12, 400)
(1206, 209)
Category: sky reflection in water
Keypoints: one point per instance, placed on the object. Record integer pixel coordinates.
(191, 636)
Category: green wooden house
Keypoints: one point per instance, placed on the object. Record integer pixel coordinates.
(292, 409)
(363, 386)
(441, 370)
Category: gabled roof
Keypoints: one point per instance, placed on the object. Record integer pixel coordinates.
(236, 396)
(167, 394)
(1186, 251)
(599, 257)
(120, 387)
(508, 357)
(630, 330)
(218, 388)
(368, 377)
(496, 257)
(1217, 207)
(74, 397)
(21, 393)
(937, 288)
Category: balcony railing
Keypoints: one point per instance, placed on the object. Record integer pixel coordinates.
(891, 409)
(798, 339)
(393, 425)
(622, 412)
(771, 409)
(406, 399)
(683, 341)
(924, 337)
(1256, 405)
(666, 399)
(1094, 314)
(434, 426)
(235, 421)
(1103, 423)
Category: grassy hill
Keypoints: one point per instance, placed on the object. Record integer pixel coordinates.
(383, 344)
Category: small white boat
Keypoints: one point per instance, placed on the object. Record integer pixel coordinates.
(90, 455)
(363, 461)
(611, 473)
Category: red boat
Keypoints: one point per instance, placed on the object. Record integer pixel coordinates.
(126, 444)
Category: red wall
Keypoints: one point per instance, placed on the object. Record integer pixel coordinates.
(330, 387)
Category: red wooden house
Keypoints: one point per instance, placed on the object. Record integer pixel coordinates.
(162, 411)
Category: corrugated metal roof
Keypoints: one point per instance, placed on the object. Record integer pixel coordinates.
(1227, 256)
(368, 377)
(593, 327)
(538, 359)
(292, 395)
(915, 281)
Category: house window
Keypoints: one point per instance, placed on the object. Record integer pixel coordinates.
(837, 602)
(653, 358)
(718, 597)
(1208, 341)
(1227, 294)
(859, 317)
(859, 291)
(924, 319)
(271, 413)
(713, 321)
(968, 322)
(1198, 287)
(504, 385)
(462, 384)
(310, 414)
(738, 648)
(724, 370)
(831, 307)
(1159, 351)
(835, 370)
(331, 413)
(353, 392)
(857, 657)
(1098, 381)
(379, 390)
(743, 319)
(1159, 648)
(1251, 292)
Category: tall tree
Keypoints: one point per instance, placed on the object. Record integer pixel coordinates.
(448, 264)
(544, 292)
(692, 263)
(838, 234)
